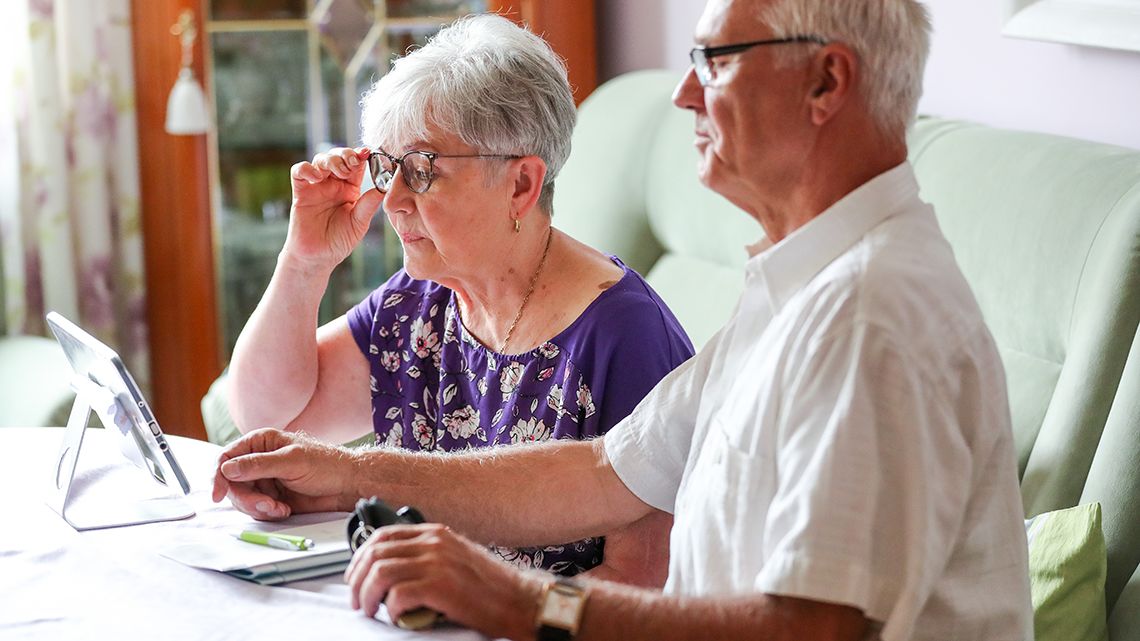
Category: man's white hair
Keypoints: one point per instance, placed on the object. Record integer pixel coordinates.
(498, 87)
(891, 38)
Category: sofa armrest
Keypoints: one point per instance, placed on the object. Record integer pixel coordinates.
(35, 388)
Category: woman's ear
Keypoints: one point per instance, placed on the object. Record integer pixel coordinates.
(528, 174)
(834, 75)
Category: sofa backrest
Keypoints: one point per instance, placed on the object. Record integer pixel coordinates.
(1046, 230)
(630, 188)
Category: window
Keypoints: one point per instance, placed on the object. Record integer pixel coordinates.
(287, 78)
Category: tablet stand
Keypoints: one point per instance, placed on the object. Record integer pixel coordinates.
(96, 513)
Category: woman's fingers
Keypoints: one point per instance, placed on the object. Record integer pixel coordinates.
(334, 165)
(366, 207)
(307, 172)
(343, 163)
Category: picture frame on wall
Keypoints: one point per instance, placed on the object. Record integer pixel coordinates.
(1109, 24)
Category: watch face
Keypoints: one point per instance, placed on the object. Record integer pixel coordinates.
(562, 607)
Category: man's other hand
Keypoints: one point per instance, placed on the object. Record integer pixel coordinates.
(412, 566)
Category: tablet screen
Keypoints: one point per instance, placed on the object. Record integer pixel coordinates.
(142, 440)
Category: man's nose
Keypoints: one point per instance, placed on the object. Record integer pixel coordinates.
(689, 94)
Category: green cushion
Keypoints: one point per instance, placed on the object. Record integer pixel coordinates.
(1067, 567)
(220, 427)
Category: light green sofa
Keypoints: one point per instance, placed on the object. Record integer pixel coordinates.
(1046, 229)
(35, 387)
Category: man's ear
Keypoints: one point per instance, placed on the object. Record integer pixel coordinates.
(528, 174)
(834, 76)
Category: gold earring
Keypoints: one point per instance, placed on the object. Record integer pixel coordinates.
(518, 227)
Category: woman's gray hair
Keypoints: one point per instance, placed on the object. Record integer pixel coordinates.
(891, 38)
(498, 87)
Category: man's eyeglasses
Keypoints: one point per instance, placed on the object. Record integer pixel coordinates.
(417, 167)
(706, 72)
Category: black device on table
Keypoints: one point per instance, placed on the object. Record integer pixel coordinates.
(371, 515)
(562, 600)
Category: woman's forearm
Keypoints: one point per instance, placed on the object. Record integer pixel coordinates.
(638, 554)
(273, 372)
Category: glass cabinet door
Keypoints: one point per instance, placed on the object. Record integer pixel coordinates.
(287, 79)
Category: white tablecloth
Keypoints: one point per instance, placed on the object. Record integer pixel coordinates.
(58, 584)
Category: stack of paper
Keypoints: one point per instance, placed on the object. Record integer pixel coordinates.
(222, 551)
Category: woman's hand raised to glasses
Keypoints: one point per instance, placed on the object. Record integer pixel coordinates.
(330, 216)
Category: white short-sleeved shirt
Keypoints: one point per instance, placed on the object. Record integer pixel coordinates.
(846, 436)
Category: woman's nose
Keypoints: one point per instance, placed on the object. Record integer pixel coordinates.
(398, 198)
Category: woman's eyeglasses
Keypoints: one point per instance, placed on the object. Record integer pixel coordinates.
(416, 167)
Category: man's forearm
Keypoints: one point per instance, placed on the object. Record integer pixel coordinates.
(615, 612)
(273, 373)
(516, 496)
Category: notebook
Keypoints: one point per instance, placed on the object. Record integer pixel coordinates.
(221, 551)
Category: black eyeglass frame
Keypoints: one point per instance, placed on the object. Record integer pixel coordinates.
(701, 55)
(375, 168)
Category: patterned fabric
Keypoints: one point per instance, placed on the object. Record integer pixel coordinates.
(436, 388)
(70, 236)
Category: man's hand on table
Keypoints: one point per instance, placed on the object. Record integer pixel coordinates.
(412, 566)
(269, 475)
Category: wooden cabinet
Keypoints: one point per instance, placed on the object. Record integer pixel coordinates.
(181, 306)
(570, 28)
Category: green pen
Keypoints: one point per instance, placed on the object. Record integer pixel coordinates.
(274, 540)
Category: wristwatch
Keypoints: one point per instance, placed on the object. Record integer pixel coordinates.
(560, 610)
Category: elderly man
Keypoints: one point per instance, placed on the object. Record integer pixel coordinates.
(838, 459)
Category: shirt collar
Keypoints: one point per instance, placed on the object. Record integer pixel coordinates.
(786, 266)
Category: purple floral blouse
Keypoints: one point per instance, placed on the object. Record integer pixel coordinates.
(436, 388)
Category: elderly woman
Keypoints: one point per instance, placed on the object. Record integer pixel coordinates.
(500, 329)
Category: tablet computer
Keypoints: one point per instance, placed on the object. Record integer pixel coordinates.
(129, 414)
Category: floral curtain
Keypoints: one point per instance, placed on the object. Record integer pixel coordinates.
(70, 234)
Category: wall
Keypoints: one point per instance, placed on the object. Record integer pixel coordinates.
(645, 34)
(977, 74)
(974, 73)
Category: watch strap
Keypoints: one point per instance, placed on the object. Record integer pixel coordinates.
(551, 633)
(553, 630)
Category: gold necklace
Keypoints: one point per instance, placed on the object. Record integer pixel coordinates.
(529, 291)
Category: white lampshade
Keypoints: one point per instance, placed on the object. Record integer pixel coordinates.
(186, 111)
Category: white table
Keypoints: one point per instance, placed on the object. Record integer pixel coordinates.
(58, 584)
